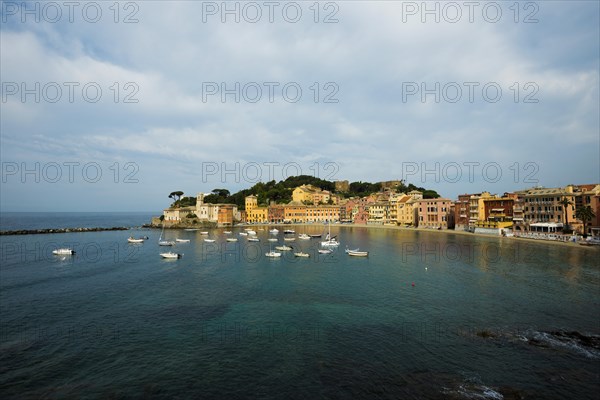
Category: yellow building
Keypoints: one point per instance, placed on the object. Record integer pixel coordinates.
(322, 213)
(477, 207)
(254, 213)
(405, 208)
(294, 211)
(304, 193)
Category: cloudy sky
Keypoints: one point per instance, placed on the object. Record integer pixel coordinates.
(111, 107)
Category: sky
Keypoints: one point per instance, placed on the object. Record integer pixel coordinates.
(111, 106)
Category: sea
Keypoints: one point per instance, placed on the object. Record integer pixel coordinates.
(427, 315)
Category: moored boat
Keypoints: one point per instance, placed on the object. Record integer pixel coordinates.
(170, 254)
(131, 239)
(63, 252)
(231, 239)
(283, 248)
(325, 251)
(182, 240)
(357, 253)
(301, 254)
(207, 240)
(273, 254)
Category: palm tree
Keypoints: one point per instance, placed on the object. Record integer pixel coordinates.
(585, 214)
(565, 202)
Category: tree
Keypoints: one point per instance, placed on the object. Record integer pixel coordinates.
(565, 202)
(585, 214)
(176, 195)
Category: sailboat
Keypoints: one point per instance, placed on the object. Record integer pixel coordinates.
(330, 241)
(162, 242)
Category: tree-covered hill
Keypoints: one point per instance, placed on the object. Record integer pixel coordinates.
(281, 192)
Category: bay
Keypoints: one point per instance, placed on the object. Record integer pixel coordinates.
(426, 315)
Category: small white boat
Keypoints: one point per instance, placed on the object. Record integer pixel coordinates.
(273, 254)
(325, 251)
(253, 239)
(251, 232)
(131, 239)
(283, 248)
(315, 236)
(182, 240)
(243, 234)
(207, 240)
(289, 231)
(357, 253)
(289, 239)
(170, 254)
(204, 233)
(63, 252)
(330, 243)
(272, 239)
(231, 239)
(303, 236)
(227, 232)
(274, 231)
(191, 229)
(301, 254)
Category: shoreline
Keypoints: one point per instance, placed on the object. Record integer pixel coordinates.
(443, 231)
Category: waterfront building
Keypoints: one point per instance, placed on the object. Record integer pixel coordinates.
(254, 212)
(433, 213)
(378, 213)
(276, 213)
(294, 212)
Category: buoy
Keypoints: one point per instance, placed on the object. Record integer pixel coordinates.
(425, 268)
(413, 284)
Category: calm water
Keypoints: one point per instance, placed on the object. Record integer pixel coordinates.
(484, 318)
(10, 221)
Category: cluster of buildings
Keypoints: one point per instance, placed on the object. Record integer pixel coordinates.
(537, 209)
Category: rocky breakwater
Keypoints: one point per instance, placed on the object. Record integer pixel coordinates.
(60, 230)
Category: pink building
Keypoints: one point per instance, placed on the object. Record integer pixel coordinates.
(434, 213)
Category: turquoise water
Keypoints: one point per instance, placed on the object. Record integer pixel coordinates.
(426, 315)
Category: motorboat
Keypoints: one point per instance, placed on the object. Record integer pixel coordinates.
(325, 251)
(283, 248)
(289, 239)
(191, 229)
(301, 254)
(357, 253)
(63, 252)
(170, 254)
(315, 236)
(207, 240)
(253, 239)
(274, 231)
(303, 236)
(287, 231)
(227, 232)
(131, 239)
(231, 239)
(273, 254)
(182, 240)
(243, 234)
(204, 233)
(272, 239)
